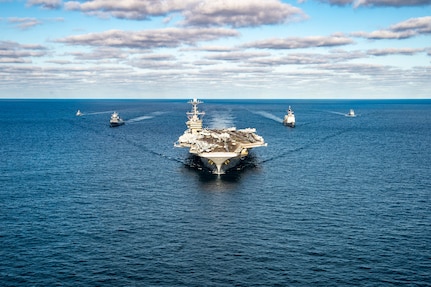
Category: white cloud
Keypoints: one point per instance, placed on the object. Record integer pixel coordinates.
(421, 25)
(236, 56)
(241, 13)
(377, 3)
(47, 4)
(24, 23)
(129, 9)
(391, 3)
(394, 51)
(13, 52)
(238, 13)
(403, 30)
(148, 39)
(297, 42)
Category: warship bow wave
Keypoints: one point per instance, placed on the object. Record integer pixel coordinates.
(218, 149)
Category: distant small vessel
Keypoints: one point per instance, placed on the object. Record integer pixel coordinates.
(289, 119)
(351, 113)
(116, 120)
(78, 113)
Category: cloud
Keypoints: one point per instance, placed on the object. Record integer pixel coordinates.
(27, 23)
(24, 23)
(394, 51)
(207, 13)
(46, 4)
(129, 9)
(9, 45)
(12, 60)
(298, 43)
(391, 3)
(100, 53)
(60, 62)
(420, 25)
(236, 56)
(13, 52)
(377, 3)
(147, 39)
(294, 59)
(156, 62)
(241, 13)
(307, 59)
(69, 77)
(403, 30)
(384, 34)
(372, 71)
(212, 49)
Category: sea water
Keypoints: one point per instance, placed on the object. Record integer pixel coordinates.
(335, 201)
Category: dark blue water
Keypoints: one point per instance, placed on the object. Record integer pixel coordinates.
(336, 201)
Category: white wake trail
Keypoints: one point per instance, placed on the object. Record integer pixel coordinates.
(337, 113)
(221, 120)
(138, 119)
(269, 116)
(98, 113)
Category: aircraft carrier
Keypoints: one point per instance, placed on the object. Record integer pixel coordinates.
(218, 149)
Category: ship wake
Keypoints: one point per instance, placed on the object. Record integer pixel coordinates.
(337, 113)
(221, 120)
(145, 117)
(269, 116)
(96, 113)
(138, 119)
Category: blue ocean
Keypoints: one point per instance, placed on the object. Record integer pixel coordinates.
(335, 201)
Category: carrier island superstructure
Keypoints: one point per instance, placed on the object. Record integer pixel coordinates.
(218, 149)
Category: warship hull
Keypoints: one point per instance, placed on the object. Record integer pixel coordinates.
(289, 124)
(220, 162)
(116, 124)
(220, 149)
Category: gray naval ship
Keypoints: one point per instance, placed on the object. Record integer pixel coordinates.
(218, 149)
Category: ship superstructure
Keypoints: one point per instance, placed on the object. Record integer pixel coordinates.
(289, 118)
(219, 149)
(115, 120)
(351, 113)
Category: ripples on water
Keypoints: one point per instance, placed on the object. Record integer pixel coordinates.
(335, 201)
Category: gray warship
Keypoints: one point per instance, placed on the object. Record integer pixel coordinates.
(218, 149)
(115, 120)
(289, 118)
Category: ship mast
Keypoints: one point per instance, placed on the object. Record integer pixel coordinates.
(195, 122)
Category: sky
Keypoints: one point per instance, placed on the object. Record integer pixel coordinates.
(215, 49)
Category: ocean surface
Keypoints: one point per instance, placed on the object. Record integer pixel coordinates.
(335, 201)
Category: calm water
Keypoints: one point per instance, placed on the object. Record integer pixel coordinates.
(335, 201)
